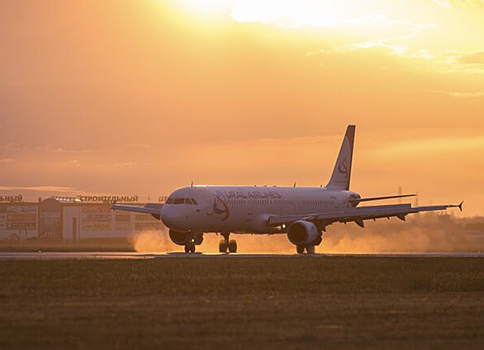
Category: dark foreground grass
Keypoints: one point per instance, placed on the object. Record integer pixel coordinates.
(276, 303)
(85, 245)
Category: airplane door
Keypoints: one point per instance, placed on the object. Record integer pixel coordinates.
(209, 223)
(208, 202)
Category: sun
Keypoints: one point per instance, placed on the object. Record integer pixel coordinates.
(412, 28)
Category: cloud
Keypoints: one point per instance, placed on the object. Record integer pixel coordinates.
(441, 3)
(54, 149)
(6, 160)
(391, 25)
(74, 162)
(472, 58)
(139, 145)
(59, 189)
(474, 3)
(300, 13)
(13, 147)
(449, 63)
(459, 94)
(397, 50)
(126, 164)
(433, 145)
(450, 3)
(360, 19)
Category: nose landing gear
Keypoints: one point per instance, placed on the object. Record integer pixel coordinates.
(192, 241)
(227, 244)
(190, 248)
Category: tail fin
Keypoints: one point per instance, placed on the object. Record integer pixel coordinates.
(340, 180)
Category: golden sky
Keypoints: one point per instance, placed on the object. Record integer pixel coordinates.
(143, 96)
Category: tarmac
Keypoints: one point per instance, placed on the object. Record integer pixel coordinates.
(120, 256)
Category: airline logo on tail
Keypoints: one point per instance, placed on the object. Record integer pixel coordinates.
(343, 168)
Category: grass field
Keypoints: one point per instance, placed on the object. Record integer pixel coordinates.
(85, 245)
(210, 303)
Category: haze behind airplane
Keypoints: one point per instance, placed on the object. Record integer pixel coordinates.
(302, 213)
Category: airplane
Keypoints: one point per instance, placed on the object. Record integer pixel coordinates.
(302, 213)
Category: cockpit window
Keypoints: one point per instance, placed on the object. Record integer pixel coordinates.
(189, 201)
(179, 201)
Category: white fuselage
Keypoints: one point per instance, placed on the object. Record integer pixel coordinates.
(244, 209)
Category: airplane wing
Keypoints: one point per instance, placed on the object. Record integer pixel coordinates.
(150, 208)
(358, 215)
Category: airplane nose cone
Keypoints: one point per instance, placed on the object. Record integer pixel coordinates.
(171, 218)
(166, 215)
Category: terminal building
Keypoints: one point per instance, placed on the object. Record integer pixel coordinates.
(69, 220)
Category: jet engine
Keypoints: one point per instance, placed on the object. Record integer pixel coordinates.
(182, 238)
(304, 233)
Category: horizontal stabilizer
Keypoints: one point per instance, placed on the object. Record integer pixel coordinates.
(359, 200)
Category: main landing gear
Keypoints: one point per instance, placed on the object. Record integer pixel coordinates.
(227, 244)
(310, 249)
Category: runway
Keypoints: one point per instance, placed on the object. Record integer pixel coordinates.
(122, 256)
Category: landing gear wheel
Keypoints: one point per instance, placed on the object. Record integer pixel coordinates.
(233, 246)
(300, 249)
(190, 248)
(311, 249)
(222, 246)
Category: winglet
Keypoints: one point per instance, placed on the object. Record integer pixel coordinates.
(457, 206)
